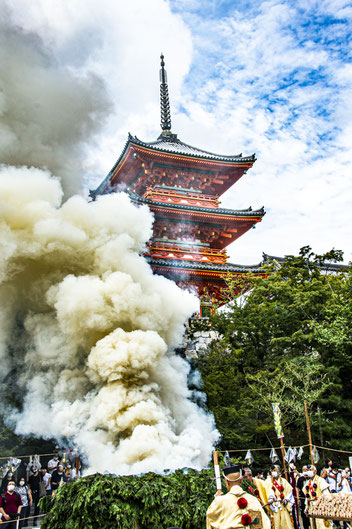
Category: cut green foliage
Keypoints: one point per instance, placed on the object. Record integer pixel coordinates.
(132, 502)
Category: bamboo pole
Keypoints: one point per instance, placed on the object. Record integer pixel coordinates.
(217, 471)
(283, 457)
(309, 433)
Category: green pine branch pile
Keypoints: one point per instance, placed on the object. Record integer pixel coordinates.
(132, 502)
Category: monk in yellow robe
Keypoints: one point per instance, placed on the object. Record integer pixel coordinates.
(314, 487)
(263, 495)
(236, 509)
(280, 499)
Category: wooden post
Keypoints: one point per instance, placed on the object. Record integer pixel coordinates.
(283, 458)
(77, 465)
(217, 471)
(309, 433)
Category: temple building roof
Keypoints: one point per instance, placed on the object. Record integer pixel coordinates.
(327, 266)
(211, 267)
(213, 211)
(170, 143)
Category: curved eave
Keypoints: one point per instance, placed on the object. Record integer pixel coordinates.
(216, 212)
(203, 157)
(174, 264)
(197, 153)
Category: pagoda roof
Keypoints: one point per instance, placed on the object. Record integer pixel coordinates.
(210, 211)
(169, 146)
(201, 266)
(169, 143)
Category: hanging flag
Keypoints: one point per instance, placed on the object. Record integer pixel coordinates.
(289, 455)
(316, 456)
(300, 452)
(14, 463)
(227, 459)
(36, 462)
(249, 458)
(294, 454)
(277, 421)
(273, 456)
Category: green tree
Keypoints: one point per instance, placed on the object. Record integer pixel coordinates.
(288, 339)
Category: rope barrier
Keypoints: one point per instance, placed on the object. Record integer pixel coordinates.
(31, 517)
(285, 446)
(19, 519)
(333, 449)
(259, 449)
(30, 455)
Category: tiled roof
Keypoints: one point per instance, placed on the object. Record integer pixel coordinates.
(216, 211)
(332, 267)
(197, 265)
(170, 143)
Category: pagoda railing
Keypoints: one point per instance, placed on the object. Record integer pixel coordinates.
(182, 197)
(177, 251)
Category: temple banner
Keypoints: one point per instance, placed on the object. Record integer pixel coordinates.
(277, 421)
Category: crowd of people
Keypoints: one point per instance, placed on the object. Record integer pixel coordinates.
(22, 488)
(281, 503)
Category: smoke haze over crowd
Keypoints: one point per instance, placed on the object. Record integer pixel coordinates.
(86, 330)
(89, 330)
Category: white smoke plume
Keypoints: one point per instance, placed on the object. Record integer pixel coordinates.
(88, 330)
(48, 113)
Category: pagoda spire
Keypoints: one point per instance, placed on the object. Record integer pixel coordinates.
(164, 98)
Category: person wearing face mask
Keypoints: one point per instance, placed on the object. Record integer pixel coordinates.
(344, 483)
(301, 482)
(334, 478)
(58, 478)
(26, 498)
(10, 505)
(34, 486)
(315, 487)
(6, 480)
(348, 476)
(46, 477)
(53, 463)
(326, 468)
(280, 499)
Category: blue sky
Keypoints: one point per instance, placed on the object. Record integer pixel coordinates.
(271, 77)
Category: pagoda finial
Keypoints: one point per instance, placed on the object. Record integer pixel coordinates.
(164, 98)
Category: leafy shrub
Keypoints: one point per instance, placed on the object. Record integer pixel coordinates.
(132, 502)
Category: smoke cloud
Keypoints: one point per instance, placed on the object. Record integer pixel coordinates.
(87, 331)
(48, 113)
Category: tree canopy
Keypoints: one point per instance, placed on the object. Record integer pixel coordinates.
(287, 340)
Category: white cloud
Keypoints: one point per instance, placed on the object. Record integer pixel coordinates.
(270, 77)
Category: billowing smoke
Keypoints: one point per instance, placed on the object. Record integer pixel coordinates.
(48, 113)
(87, 330)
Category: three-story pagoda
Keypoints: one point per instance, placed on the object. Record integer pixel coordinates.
(181, 185)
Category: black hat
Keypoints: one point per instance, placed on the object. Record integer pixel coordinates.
(234, 469)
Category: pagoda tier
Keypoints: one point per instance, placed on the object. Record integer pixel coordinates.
(170, 162)
(217, 227)
(207, 280)
(181, 185)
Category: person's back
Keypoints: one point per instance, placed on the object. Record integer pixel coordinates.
(236, 509)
